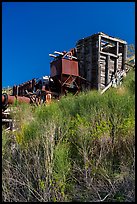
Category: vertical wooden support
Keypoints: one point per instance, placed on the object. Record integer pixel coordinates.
(90, 61)
(17, 90)
(116, 60)
(84, 65)
(107, 70)
(124, 56)
(99, 67)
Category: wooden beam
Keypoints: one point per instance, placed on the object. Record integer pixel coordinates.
(130, 58)
(7, 120)
(9, 128)
(60, 53)
(110, 54)
(130, 65)
(6, 113)
(106, 88)
(51, 55)
(104, 36)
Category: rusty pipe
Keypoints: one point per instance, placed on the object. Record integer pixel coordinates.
(21, 99)
(2, 99)
(11, 99)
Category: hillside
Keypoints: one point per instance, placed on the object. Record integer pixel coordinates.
(80, 148)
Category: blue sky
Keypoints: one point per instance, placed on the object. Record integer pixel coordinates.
(32, 30)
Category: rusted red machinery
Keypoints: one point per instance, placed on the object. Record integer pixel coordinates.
(35, 99)
(64, 78)
(65, 72)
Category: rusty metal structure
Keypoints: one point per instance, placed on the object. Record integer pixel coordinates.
(97, 62)
(65, 72)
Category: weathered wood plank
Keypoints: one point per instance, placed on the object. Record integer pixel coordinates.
(111, 39)
(7, 120)
(110, 54)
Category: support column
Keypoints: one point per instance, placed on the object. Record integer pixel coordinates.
(107, 70)
(90, 65)
(116, 60)
(99, 67)
(124, 56)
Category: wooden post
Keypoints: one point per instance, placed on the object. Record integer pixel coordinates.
(116, 60)
(99, 67)
(124, 56)
(17, 90)
(107, 70)
(90, 60)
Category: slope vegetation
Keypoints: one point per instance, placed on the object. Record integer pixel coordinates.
(80, 148)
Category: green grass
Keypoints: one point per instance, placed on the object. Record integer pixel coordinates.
(77, 149)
